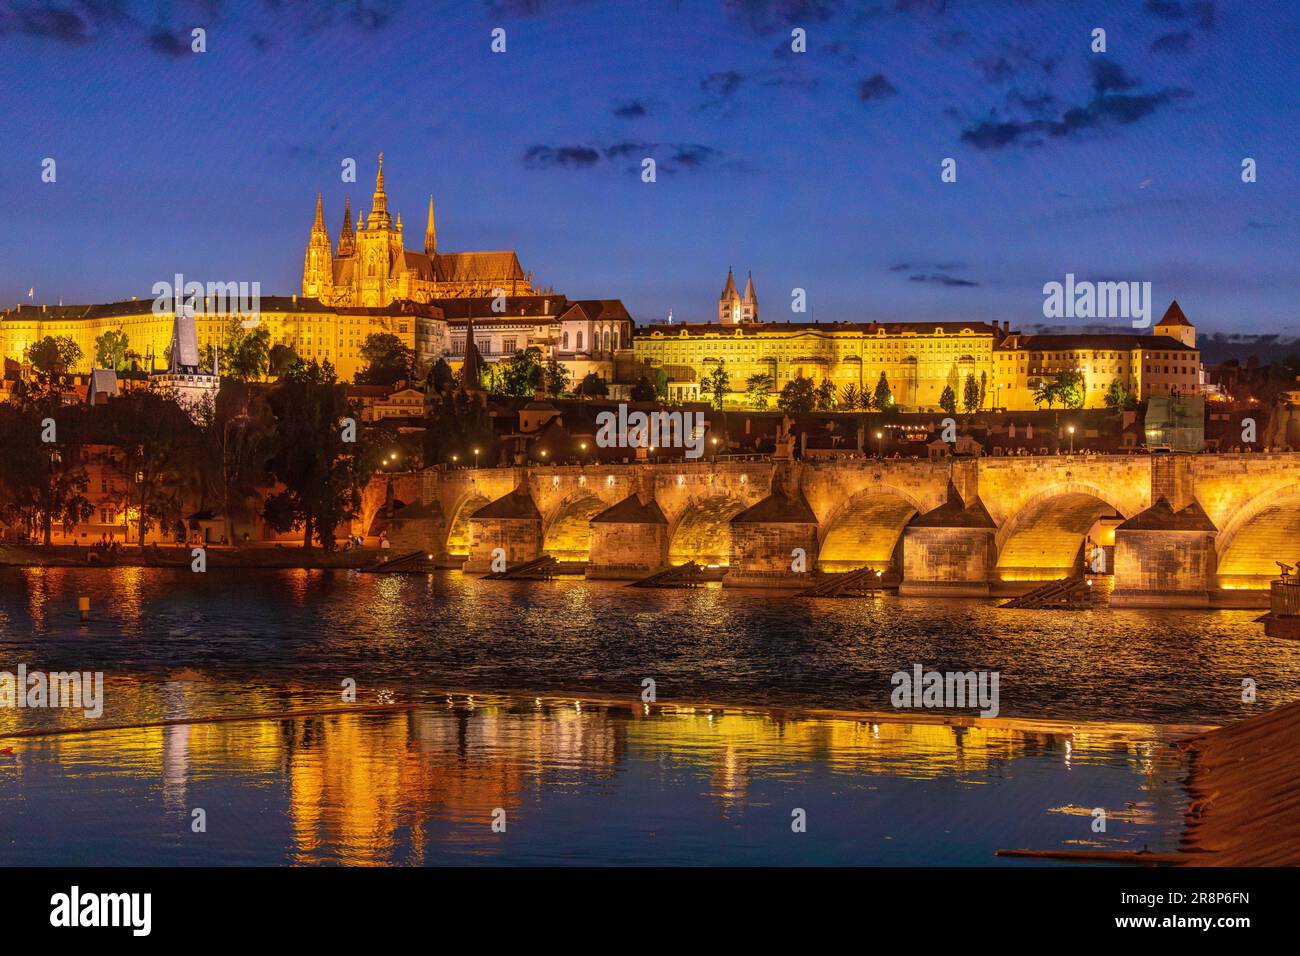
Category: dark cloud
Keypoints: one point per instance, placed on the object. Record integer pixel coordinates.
(564, 157)
(767, 16)
(1166, 9)
(938, 278)
(164, 41)
(1108, 105)
(722, 85)
(1172, 42)
(632, 109)
(62, 24)
(1108, 76)
(875, 88)
(669, 157)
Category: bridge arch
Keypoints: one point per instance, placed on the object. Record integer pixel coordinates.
(458, 527)
(1043, 538)
(567, 532)
(865, 530)
(702, 532)
(1264, 530)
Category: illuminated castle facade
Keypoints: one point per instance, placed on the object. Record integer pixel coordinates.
(371, 267)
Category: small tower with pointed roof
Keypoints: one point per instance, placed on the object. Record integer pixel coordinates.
(1175, 325)
(318, 263)
(733, 309)
(347, 238)
(430, 233)
(749, 304)
(729, 302)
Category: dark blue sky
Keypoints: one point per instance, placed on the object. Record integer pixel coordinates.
(817, 170)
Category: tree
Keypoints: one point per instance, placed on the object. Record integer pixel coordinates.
(235, 439)
(388, 360)
(1072, 388)
(643, 391)
(825, 396)
(1119, 396)
(42, 483)
(758, 389)
(1046, 393)
(984, 388)
(970, 399)
(280, 359)
(948, 401)
(557, 378)
(110, 350)
(54, 355)
(322, 475)
(850, 398)
(884, 397)
(592, 386)
(797, 395)
(716, 385)
(160, 460)
(521, 375)
(250, 355)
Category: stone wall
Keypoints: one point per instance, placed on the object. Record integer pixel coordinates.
(521, 538)
(947, 561)
(627, 549)
(1163, 567)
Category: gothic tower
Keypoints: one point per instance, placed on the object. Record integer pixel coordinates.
(347, 238)
(749, 304)
(430, 233)
(318, 263)
(1175, 325)
(729, 302)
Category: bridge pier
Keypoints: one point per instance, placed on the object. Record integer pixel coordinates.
(1165, 558)
(773, 544)
(512, 524)
(629, 540)
(949, 551)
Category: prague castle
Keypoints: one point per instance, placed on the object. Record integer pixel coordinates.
(371, 266)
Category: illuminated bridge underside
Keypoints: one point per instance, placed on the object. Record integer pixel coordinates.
(865, 534)
(1272, 535)
(569, 536)
(704, 533)
(458, 535)
(1045, 540)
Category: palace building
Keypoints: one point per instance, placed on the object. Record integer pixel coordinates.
(918, 360)
(313, 329)
(371, 267)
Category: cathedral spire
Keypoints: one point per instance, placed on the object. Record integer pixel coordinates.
(319, 224)
(347, 238)
(431, 232)
(379, 218)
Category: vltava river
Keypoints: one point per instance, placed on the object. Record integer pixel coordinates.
(519, 703)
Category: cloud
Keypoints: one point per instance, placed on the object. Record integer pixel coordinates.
(564, 157)
(722, 84)
(1172, 42)
(632, 109)
(163, 41)
(938, 278)
(875, 88)
(1109, 105)
(668, 157)
(62, 24)
(1165, 9)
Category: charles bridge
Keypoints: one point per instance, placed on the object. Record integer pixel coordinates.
(1171, 528)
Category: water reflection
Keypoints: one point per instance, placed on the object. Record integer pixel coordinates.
(314, 628)
(591, 783)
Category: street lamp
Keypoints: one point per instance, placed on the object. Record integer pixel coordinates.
(714, 439)
(582, 446)
(1071, 431)
(476, 458)
(880, 444)
(454, 459)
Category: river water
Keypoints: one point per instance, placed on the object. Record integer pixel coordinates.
(521, 703)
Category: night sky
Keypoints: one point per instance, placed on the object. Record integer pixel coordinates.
(818, 170)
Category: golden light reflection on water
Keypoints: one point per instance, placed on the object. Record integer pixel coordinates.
(371, 788)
